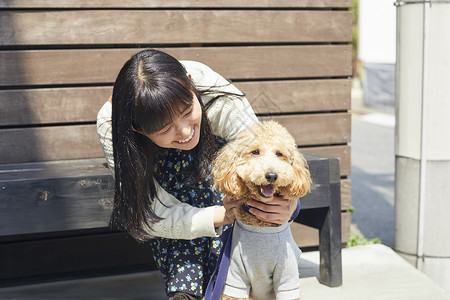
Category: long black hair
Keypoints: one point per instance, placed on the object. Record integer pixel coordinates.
(151, 89)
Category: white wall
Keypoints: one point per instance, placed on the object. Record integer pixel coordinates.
(377, 31)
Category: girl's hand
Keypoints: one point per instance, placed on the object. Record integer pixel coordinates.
(224, 215)
(277, 211)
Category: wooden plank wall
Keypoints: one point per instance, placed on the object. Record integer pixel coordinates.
(59, 59)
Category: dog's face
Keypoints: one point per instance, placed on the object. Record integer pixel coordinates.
(262, 162)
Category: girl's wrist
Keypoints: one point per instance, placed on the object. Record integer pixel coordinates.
(219, 216)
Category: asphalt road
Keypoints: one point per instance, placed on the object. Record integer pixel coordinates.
(373, 177)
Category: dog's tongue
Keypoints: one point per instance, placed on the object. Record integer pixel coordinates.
(267, 190)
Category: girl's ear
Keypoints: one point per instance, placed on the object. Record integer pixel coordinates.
(224, 172)
(137, 131)
(132, 128)
(302, 181)
(189, 75)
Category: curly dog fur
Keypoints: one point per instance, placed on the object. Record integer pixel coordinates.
(263, 162)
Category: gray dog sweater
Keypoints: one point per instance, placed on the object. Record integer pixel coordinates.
(264, 263)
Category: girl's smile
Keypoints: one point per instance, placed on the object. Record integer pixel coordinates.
(185, 141)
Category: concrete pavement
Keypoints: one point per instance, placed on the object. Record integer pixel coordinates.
(373, 169)
(373, 177)
(373, 272)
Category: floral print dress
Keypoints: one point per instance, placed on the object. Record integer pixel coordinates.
(186, 265)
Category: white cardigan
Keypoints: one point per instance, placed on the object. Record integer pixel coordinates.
(228, 116)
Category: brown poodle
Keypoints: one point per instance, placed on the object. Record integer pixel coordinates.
(263, 162)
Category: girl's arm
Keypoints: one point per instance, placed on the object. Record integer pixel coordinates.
(181, 221)
(104, 130)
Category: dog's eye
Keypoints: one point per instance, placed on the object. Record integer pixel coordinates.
(255, 152)
(279, 154)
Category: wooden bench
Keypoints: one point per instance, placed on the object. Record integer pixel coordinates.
(54, 221)
(58, 61)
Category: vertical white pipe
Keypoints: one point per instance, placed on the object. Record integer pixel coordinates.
(423, 141)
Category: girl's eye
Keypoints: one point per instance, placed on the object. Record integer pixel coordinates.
(255, 152)
(166, 131)
(279, 154)
(189, 112)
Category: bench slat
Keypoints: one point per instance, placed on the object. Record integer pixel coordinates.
(30, 67)
(50, 197)
(58, 204)
(53, 169)
(66, 27)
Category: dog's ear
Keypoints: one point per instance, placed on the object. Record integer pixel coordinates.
(225, 173)
(302, 181)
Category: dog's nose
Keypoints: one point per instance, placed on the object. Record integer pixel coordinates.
(271, 176)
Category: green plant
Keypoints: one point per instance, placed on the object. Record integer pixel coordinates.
(358, 240)
(354, 10)
(351, 209)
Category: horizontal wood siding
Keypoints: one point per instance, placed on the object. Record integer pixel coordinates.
(81, 141)
(49, 143)
(192, 26)
(32, 67)
(51, 105)
(176, 4)
(317, 129)
(343, 152)
(306, 236)
(59, 105)
(346, 194)
(294, 96)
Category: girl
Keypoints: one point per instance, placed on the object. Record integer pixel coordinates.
(159, 133)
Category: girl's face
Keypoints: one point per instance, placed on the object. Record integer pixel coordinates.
(183, 132)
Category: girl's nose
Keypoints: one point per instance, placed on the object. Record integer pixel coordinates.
(184, 130)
